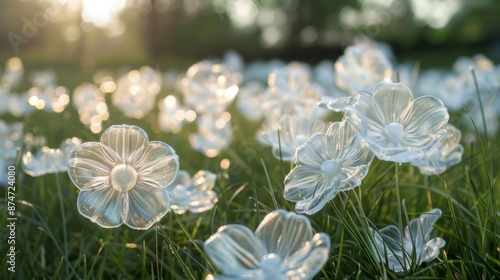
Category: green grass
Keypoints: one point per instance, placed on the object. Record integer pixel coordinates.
(55, 242)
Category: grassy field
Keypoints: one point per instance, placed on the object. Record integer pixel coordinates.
(55, 242)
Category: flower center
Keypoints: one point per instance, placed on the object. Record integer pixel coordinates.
(394, 132)
(123, 177)
(271, 265)
(330, 166)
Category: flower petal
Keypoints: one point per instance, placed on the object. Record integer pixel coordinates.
(301, 183)
(104, 206)
(391, 102)
(431, 250)
(146, 206)
(284, 233)
(313, 152)
(127, 141)
(88, 164)
(310, 259)
(235, 250)
(158, 165)
(429, 115)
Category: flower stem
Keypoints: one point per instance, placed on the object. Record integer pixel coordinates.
(64, 224)
(400, 215)
(426, 185)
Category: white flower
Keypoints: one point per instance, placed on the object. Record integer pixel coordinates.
(50, 99)
(291, 92)
(11, 139)
(362, 67)
(90, 102)
(327, 163)
(193, 194)
(19, 104)
(214, 135)
(136, 92)
(209, 87)
(417, 246)
(447, 152)
(123, 178)
(395, 126)
(172, 116)
(288, 133)
(283, 247)
(47, 160)
(249, 101)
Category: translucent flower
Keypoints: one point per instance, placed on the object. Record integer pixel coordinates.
(327, 163)
(13, 74)
(283, 247)
(47, 160)
(123, 178)
(259, 70)
(394, 125)
(172, 116)
(362, 67)
(90, 102)
(455, 91)
(417, 245)
(19, 104)
(324, 74)
(447, 152)
(209, 87)
(193, 194)
(249, 101)
(136, 92)
(288, 133)
(234, 61)
(43, 78)
(214, 134)
(291, 92)
(10, 141)
(50, 99)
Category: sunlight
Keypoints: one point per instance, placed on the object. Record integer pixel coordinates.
(102, 13)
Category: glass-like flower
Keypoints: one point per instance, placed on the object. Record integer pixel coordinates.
(19, 104)
(43, 78)
(447, 152)
(327, 163)
(11, 139)
(123, 178)
(209, 87)
(455, 91)
(291, 91)
(90, 102)
(214, 135)
(47, 160)
(288, 133)
(283, 247)
(362, 67)
(13, 74)
(172, 116)
(394, 125)
(136, 92)
(258, 70)
(51, 99)
(250, 98)
(417, 247)
(193, 194)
